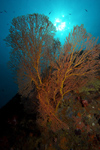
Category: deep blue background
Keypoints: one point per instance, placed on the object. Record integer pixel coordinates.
(72, 12)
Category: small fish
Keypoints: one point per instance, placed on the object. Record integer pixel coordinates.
(1, 11)
(5, 11)
(86, 10)
(49, 12)
(69, 13)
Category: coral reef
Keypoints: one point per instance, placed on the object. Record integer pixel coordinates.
(57, 74)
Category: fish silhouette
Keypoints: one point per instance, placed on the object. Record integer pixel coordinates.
(5, 11)
(86, 10)
(49, 12)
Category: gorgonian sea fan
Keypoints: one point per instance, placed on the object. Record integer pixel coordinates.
(31, 39)
(34, 51)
